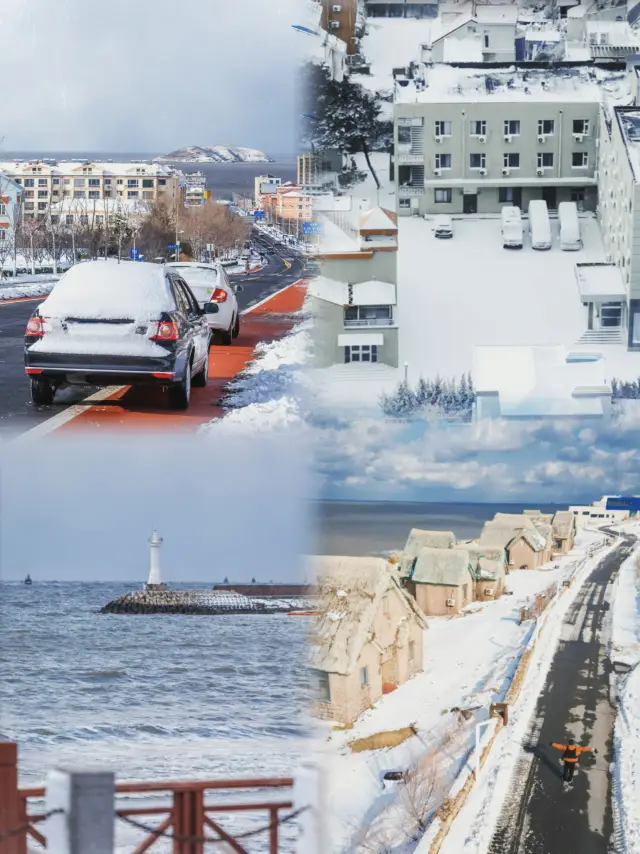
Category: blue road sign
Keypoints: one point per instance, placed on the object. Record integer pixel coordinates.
(134, 255)
(172, 246)
(258, 214)
(306, 30)
(311, 228)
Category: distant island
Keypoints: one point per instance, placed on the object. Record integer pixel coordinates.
(215, 154)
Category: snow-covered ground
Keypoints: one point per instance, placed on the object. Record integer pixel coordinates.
(27, 286)
(625, 648)
(469, 662)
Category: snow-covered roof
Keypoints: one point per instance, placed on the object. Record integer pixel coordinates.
(377, 220)
(72, 167)
(505, 528)
(373, 292)
(564, 524)
(600, 282)
(418, 540)
(328, 290)
(476, 551)
(447, 567)
(497, 14)
(445, 83)
(629, 121)
(336, 240)
(108, 289)
(351, 590)
(490, 569)
(537, 381)
(462, 50)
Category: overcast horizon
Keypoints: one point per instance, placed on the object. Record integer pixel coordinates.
(145, 77)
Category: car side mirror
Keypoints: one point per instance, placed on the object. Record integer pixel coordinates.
(211, 308)
(238, 289)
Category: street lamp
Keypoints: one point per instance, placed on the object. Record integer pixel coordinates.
(406, 372)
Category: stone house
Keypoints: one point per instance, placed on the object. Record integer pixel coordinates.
(441, 581)
(489, 567)
(368, 638)
(419, 539)
(526, 547)
(564, 531)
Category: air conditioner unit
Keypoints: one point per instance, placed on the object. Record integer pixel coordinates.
(437, 172)
(482, 139)
(488, 591)
(579, 137)
(336, 8)
(451, 603)
(506, 171)
(508, 137)
(438, 138)
(542, 137)
(539, 171)
(335, 25)
(482, 171)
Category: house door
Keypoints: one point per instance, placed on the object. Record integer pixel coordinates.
(549, 195)
(389, 672)
(517, 197)
(470, 203)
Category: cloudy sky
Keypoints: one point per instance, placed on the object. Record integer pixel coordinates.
(85, 510)
(149, 75)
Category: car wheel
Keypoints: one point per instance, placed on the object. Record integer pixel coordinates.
(236, 327)
(202, 377)
(180, 393)
(42, 392)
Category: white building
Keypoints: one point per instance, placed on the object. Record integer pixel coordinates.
(488, 35)
(154, 582)
(597, 513)
(470, 140)
(517, 382)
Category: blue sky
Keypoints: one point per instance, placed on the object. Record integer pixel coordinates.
(83, 509)
(149, 75)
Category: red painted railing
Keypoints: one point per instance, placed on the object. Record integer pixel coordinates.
(187, 818)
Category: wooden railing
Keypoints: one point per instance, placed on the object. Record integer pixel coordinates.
(187, 819)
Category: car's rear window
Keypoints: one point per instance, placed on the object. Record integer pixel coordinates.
(201, 281)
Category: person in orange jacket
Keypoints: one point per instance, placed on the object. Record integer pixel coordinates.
(570, 755)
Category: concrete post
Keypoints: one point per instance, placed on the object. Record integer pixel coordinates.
(11, 812)
(309, 790)
(478, 750)
(87, 825)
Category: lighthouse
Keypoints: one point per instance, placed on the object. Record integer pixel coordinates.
(154, 581)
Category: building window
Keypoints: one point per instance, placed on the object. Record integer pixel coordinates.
(42, 206)
(3, 234)
(442, 197)
(545, 160)
(506, 195)
(486, 40)
(3, 209)
(42, 182)
(147, 182)
(511, 160)
(107, 194)
(443, 161)
(579, 159)
(94, 194)
(132, 182)
(581, 126)
(107, 181)
(119, 181)
(84, 220)
(578, 196)
(99, 220)
(478, 128)
(29, 194)
(162, 182)
(69, 219)
(443, 128)
(56, 181)
(511, 128)
(404, 203)
(132, 194)
(367, 315)
(361, 353)
(320, 680)
(94, 182)
(29, 182)
(611, 314)
(147, 194)
(79, 182)
(364, 677)
(29, 206)
(546, 127)
(66, 180)
(477, 161)
(79, 194)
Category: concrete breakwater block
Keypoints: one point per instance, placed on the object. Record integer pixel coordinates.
(190, 602)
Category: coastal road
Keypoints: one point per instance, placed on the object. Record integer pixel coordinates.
(266, 296)
(540, 816)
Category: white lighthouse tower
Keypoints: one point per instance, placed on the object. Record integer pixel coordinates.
(154, 581)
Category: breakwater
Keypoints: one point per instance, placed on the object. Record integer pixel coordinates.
(162, 601)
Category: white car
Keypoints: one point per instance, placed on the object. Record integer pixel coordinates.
(209, 283)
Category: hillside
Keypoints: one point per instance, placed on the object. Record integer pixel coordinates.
(216, 154)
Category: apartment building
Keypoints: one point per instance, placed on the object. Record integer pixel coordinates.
(401, 9)
(472, 139)
(339, 19)
(10, 201)
(45, 182)
(618, 304)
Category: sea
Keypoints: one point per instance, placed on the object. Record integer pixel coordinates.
(150, 697)
(376, 528)
(225, 180)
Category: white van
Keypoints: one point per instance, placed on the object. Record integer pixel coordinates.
(511, 227)
(539, 225)
(443, 227)
(570, 239)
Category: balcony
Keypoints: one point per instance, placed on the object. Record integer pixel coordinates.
(410, 159)
(411, 190)
(368, 321)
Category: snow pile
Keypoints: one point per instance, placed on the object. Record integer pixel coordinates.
(627, 769)
(29, 289)
(625, 635)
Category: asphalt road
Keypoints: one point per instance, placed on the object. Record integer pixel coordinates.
(17, 414)
(540, 815)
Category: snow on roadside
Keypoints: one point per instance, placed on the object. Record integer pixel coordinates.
(469, 662)
(32, 287)
(473, 829)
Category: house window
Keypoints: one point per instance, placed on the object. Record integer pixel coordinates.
(162, 182)
(511, 160)
(29, 182)
(132, 182)
(79, 194)
(42, 182)
(511, 127)
(581, 126)
(321, 683)
(577, 196)
(367, 315)
(43, 194)
(94, 182)
(546, 127)
(56, 181)
(486, 40)
(94, 194)
(84, 220)
(69, 219)
(99, 220)
(545, 160)
(364, 677)
(361, 353)
(506, 195)
(119, 181)
(42, 206)
(107, 181)
(79, 182)
(443, 128)
(3, 209)
(29, 194)
(579, 159)
(132, 194)
(442, 197)
(478, 128)
(147, 182)
(404, 203)
(443, 161)
(3, 234)
(477, 161)
(29, 206)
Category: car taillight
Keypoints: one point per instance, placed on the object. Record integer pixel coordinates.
(166, 330)
(218, 295)
(35, 327)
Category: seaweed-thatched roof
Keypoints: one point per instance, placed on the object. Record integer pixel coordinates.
(351, 591)
(490, 570)
(564, 524)
(446, 567)
(418, 540)
(505, 528)
(476, 551)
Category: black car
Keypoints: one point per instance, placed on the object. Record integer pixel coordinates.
(271, 251)
(108, 323)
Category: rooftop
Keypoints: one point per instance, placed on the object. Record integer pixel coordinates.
(629, 121)
(561, 84)
(68, 167)
(600, 282)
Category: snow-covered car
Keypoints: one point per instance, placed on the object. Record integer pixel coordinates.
(109, 323)
(443, 227)
(210, 284)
